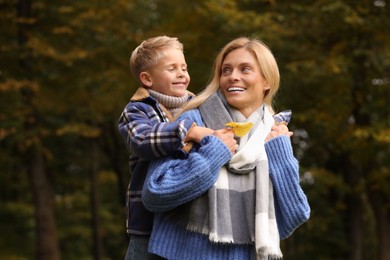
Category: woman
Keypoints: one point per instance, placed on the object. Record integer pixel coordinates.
(224, 204)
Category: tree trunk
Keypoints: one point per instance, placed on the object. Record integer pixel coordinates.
(354, 205)
(355, 227)
(97, 239)
(47, 243)
(111, 145)
(355, 174)
(382, 219)
(354, 212)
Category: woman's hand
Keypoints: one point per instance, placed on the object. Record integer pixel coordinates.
(277, 130)
(226, 135)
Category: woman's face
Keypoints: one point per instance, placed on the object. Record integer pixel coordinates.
(241, 81)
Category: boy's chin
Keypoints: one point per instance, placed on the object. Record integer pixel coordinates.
(179, 93)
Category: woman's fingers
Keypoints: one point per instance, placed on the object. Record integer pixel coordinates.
(226, 135)
(277, 130)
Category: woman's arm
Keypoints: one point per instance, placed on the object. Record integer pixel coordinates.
(173, 182)
(291, 205)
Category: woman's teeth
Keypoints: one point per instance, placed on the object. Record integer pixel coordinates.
(235, 89)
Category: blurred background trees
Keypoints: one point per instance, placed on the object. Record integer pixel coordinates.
(64, 80)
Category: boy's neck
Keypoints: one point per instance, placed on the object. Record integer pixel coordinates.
(170, 102)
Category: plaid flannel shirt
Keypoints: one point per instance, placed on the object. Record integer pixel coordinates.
(148, 133)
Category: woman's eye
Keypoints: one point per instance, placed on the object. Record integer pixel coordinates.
(226, 71)
(246, 69)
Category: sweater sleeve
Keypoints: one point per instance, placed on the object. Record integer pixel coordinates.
(291, 205)
(173, 182)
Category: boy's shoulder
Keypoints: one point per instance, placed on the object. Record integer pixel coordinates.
(142, 100)
(140, 94)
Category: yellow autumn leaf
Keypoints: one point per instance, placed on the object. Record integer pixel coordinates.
(240, 129)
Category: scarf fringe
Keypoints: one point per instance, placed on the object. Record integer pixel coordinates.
(214, 238)
(268, 253)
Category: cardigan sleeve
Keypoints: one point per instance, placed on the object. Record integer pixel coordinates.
(291, 205)
(174, 181)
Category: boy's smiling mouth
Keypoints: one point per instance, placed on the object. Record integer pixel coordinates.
(179, 83)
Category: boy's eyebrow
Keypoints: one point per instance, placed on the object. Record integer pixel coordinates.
(175, 64)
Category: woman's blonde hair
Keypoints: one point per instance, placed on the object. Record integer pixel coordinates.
(268, 68)
(149, 52)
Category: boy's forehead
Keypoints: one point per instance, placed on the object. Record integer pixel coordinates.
(171, 56)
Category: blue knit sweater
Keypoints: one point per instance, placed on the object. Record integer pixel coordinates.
(173, 183)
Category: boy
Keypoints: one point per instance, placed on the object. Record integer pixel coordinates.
(146, 125)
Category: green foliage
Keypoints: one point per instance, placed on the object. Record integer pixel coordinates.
(334, 59)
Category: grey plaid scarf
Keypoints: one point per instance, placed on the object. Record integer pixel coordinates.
(239, 208)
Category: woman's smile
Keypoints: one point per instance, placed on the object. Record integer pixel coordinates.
(236, 89)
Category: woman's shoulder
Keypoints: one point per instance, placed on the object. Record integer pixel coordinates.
(193, 114)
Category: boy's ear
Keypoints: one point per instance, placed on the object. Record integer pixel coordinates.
(146, 79)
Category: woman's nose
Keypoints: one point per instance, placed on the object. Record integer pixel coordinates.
(234, 76)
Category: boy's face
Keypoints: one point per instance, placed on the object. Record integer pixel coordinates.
(170, 75)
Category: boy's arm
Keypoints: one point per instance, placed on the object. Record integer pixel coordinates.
(146, 136)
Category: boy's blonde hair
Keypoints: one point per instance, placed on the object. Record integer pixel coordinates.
(268, 67)
(149, 52)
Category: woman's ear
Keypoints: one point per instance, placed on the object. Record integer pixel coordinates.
(146, 79)
(266, 86)
(266, 89)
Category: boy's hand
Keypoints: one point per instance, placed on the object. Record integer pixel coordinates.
(196, 133)
(226, 135)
